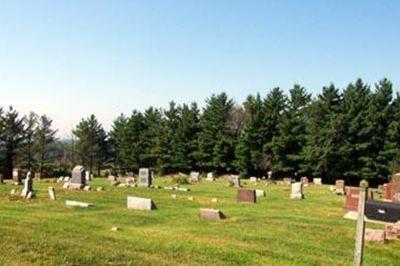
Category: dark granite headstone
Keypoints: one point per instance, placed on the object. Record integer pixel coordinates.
(388, 212)
(246, 195)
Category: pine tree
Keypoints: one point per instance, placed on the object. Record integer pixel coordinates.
(324, 135)
(44, 138)
(12, 137)
(249, 149)
(91, 143)
(392, 141)
(26, 156)
(119, 143)
(216, 144)
(287, 146)
(152, 139)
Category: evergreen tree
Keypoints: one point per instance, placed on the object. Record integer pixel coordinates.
(44, 138)
(216, 151)
(249, 149)
(324, 135)
(392, 141)
(133, 147)
(119, 143)
(356, 99)
(91, 143)
(12, 137)
(151, 139)
(287, 146)
(26, 156)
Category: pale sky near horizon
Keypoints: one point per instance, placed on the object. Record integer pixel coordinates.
(69, 59)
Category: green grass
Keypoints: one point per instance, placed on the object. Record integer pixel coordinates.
(275, 231)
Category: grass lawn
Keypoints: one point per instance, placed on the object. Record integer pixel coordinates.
(275, 231)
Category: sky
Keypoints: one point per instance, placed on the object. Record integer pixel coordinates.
(69, 59)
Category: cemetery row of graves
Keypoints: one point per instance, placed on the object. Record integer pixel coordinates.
(386, 209)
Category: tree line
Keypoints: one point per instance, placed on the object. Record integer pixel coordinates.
(352, 133)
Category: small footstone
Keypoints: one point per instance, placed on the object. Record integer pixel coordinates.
(214, 200)
(372, 235)
(190, 198)
(211, 214)
(173, 196)
(114, 229)
(260, 193)
(73, 203)
(142, 204)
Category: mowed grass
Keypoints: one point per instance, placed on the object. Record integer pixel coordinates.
(275, 231)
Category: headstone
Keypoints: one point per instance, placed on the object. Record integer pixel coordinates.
(194, 177)
(210, 176)
(339, 187)
(351, 199)
(374, 235)
(38, 176)
(130, 180)
(392, 231)
(78, 180)
(74, 203)
(28, 185)
(60, 179)
(191, 198)
(253, 179)
(260, 193)
(297, 191)
(246, 195)
(387, 212)
(65, 185)
(214, 200)
(287, 181)
(87, 176)
(66, 179)
(111, 178)
(52, 193)
(87, 188)
(396, 178)
(235, 179)
(304, 180)
(317, 181)
(145, 178)
(140, 204)
(211, 214)
(393, 189)
(16, 174)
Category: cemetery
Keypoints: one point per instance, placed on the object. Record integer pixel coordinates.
(206, 223)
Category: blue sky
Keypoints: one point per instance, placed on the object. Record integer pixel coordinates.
(71, 58)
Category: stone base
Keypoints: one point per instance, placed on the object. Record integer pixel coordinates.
(211, 214)
(372, 235)
(296, 196)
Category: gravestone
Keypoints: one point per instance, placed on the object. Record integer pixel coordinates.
(210, 176)
(374, 235)
(253, 179)
(87, 176)
(78, 180)
(339, 187)
(304, 180)
(388, 212)
(28, 185)
(145, 177)
(111, 178)
(317, 181)
(235, 179)
(287, 181)
(52, 193)
(74, 203)
(352, 196)
(16, 175)
(130, 179)
(211, 214)
(297, 191)
(246, 195)
(260, 193)
(38, 176)
(393, 189)
(142, 204)
(194, 177)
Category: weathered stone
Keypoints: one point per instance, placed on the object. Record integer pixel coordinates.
(74, 203)
(317, 181)
(130, 180)
(173, 196)
(210, 176)
(66, 185)
(194, 177)
(169, 188)
(13, 192)
(38, 176)
(99, 189)
(17, 176)
(340, 187)
(140, 204)
(211, 214)
(373, 235)
(304, 180)
(28, 185)
(78, 180)
(87, 188)
(351, 199)
(191, 198)
(182, 189)
(52, 193)
(87, 176)
(114, 229)
(287, 181)
(253, 179)
(392, 231)
(145, 177)
(260, 193)
(122, 185)
(235, 179)
(246, 195)
(111, 178)
(297, 191)
(214, 200)
(66, 179)
(60, 179)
